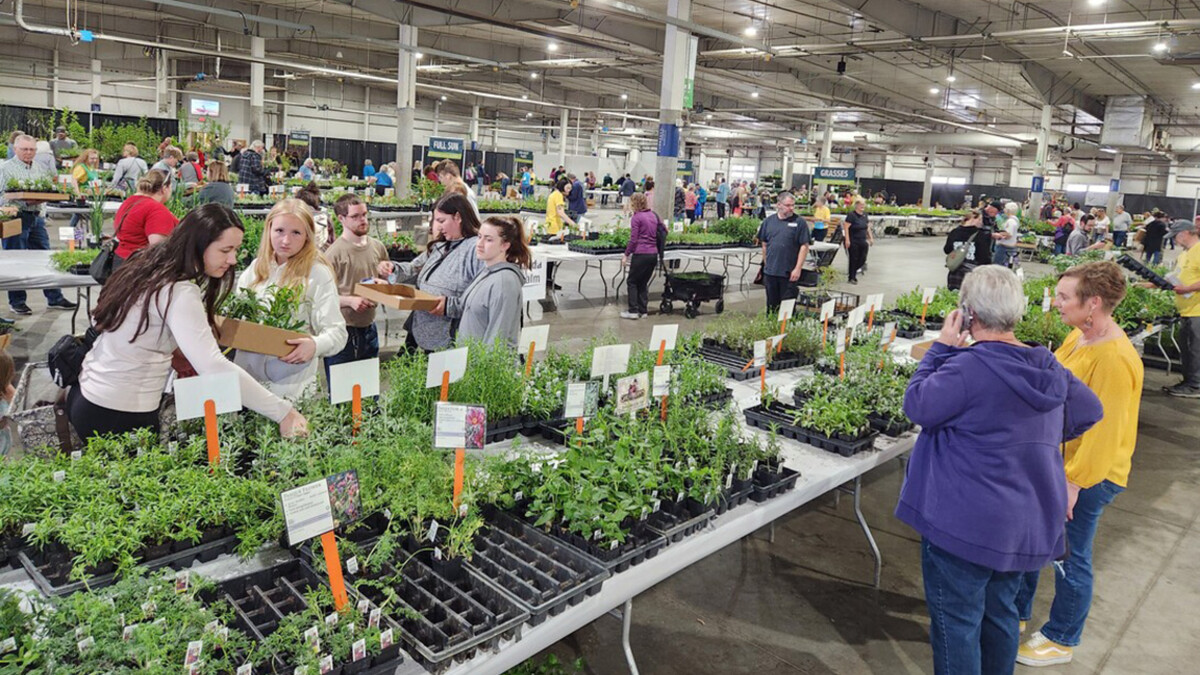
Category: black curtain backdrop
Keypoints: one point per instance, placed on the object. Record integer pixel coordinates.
(26, 119)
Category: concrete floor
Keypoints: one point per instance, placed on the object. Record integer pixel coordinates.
(804, 605)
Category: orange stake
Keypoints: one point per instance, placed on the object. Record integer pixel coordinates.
(460, 456)
(842, 365)
(71, 244)
(529, 359)
(871, 319)
(824, 332)
(210, 430)
(356, 408)
(924, 308)
(334, 564)
(445, 386)
(782, 331)
(662, 349)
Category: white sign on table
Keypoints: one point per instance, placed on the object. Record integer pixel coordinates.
(243, 188)
(452, 360)
(668, 332)
(223, 389)
(875, 302)
(537, 335)
(842, 336)
(786, 309)
(535, 282)
(827, 310)
(459, 426)
(344, 376)
(927, 295)
(760, 353)
(307, 512)
(66, 233)
(583, 399)
(390, 225)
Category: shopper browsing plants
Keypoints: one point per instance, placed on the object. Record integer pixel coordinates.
(489, 310)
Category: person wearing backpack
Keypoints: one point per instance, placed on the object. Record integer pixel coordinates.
(647, 236)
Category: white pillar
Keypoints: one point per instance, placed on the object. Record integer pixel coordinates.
(1114, 196)
(96, 80)
(674, 76)
(826, 150)
(927, 188)
(1173, 179)
(406, 102)
(496, 132)
(578, 123)
(564, 121)
(366, 113)
(284, 122)
(889, 163)
(474, 129)
(785, 171)
(161, 89)
(1014, 169)
(1039, 163)
(258, 48)
(54, 82)
(437, 116)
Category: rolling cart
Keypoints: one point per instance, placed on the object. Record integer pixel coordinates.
(692, 288)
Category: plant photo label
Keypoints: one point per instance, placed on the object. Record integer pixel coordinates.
(633, 392)
(306, 511)
(345, 502)
(583, 399)
(344, 376)
(457, 425)
(662, 380)
(222, 389)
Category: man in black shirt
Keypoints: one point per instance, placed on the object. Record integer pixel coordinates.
(1152, 241)
(785, 239)
(979, 252)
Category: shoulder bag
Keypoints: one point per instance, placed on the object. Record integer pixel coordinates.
(958, 256)
(107, 261)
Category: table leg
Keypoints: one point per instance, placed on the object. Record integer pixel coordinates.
(866, 529)
(587, 265)
(626, 620)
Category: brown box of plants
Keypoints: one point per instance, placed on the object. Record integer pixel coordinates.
(11, 228)
(398, 296)
(38, 196)
(255, 337)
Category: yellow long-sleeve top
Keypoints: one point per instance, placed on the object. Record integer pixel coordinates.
(1113, 371)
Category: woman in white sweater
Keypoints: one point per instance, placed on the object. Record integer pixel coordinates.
(288, 256)
(156, 312)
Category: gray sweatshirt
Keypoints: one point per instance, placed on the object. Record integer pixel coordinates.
(490, 308)
(457, 268)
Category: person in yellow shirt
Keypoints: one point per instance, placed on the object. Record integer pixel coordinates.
(1186, 277)
(820, 219)
(556, 208)
(1097, 463)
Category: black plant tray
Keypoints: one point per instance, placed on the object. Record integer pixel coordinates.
(931, 322)
(778, 361)
(772, 480)
(738, 493)
(401, 255)
(50, 567)
(262, 599)
(541, 574)
(500, 430)
(454, 613)
(676, 520)
(731, 364)
(782, 416)
(640, 545)
(713, 401)
(888, 426)
(842, 446)
(595, 250)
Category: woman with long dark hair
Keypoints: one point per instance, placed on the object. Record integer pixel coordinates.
(446, 268)
(489, 309)
(155, 312)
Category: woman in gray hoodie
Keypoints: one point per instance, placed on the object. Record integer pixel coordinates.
(446, 268)
(490, 309)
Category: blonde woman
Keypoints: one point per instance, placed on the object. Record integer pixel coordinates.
(288, 257)
(86, 170)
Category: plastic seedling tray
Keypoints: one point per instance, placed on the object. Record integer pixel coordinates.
(543, 575)
(676, 520)
(889, 426)
(783, 416)
(50, 568)
(771, 480)
(843, 446)
(714, 401)
(454, 613)
(737, 494)
(640, 545)
(779, 361)
(262, 599)
(729, 362)
(501, 430)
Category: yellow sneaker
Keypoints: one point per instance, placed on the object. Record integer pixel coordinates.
(1039, 651)
(1022, 628)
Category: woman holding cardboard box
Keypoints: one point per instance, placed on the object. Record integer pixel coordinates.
(288, 257)
(157, 311)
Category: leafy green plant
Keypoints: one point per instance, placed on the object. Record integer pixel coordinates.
(944, 302)
(551, 665)
(63, 261)
(1043, 328)
(278, 307)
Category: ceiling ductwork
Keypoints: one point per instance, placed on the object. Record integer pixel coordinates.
(1128, 124)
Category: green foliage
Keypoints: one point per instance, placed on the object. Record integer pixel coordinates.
(251, 240)
(739, 333)
(1061, 263)
(491, 380)
(1143, 306)
(63, 261)
(742, 229)
(430, 190)
(278, 307)
(19, 626)
(537, 204)
(110, 139)
(499, 206)
(1043, 328)
(31, 185)
(944, 302)
(336, 638)
(550, 666)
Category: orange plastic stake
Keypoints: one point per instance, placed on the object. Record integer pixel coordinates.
(924, 308)
(460, 456)
(782, 331)
(445, 386)
(842, 365)
(334, 564)
(824, 332)
(210, 430)
(748, 364)
(871, 318)
(662, 349)
(529, 359)
(71, 244)
(356, 408)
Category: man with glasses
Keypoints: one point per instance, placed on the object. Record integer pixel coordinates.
(785, 239)
(355, 257)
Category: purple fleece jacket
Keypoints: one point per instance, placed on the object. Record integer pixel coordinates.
(985, 481)
(643, 233)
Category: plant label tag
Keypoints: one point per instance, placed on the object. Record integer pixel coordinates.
(223, 389)
(64, 178)
(538, 336)
(85, 644)
(656, 506)
(391, 226)
(60, 476)
(1045, 300)
(856, 316)
(8, 645)
(662, 380)
(518, 496)
(827, 310)
(928, 294)
(385, 639)
(786, 309)
(243, 188)
(127, 633)
(583, 399)
(1020, 274)
(667, 332)
(358, 651)
(459, 426)
(331, 619)
(774, 341)
(875, 302)
(612, 545)
(453, 361)
(840, 343)
(679, 496)
(363, 606)
(76, 455)
(300, 670)
(433, 531)
(889, 333)
(245, 669)
(350, 628)
(633, 392)
(344, 376)
(352, 565)
(373, 618)
(212, 626)
(66, 233)
(535, 282)
(312, 638)
(326, 664)
(596, 534)
(462, 510)
(645, 512)
(148, 608)
(610, 360)
(760, 353)
(751, 401)
(728, 480)
(677, 226)
(307, 512)
(182, 581)
(192, 655)
(27, 529)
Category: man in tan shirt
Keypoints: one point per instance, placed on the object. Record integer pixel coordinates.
(355, 256)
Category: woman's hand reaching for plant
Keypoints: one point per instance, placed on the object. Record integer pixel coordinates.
(181, 365)
(293, 424)
(305, 350)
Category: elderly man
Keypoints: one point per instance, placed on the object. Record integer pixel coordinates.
(1121, 222)
(250, 169)
(785, 239)
(33, 230)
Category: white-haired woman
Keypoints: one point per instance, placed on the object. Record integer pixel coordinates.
(1006, 235)
(985, 487)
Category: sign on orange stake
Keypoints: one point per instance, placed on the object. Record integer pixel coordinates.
(210, 432)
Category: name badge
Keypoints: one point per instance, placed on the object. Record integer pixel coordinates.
(792, 224)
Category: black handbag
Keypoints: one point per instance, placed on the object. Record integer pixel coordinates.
(107, 261)
(65, 359)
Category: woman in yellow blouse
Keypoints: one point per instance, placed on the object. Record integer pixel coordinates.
(1097, 463)
(820, 218)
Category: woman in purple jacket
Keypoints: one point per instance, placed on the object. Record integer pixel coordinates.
(641, 254)
(985, 486)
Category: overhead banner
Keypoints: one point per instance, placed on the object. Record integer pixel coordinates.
(685, 169)
(668, 140)
(834, 176)
(445, 148)
(299, 138)
(523, 157)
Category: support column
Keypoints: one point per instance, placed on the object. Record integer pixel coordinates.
(474, 129)
(284, 123)
(258, 49)
(826, 151)
(927, 188)
(54, 83)
(1114, 196)
(496, 132)
(578, 124)
(889, 163)
(1039, 164)
(564, 121)
(785, 171)
(96, 81)
(1173, 179)
(366, 113)
(161, 89)
(674, 76)
(1014, 169)
(172, 99)
(437, 116)
(406, 103)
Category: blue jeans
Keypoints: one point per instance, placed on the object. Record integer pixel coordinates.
(361, 343)
(1119, 238)
(1005, 255)
(972, 614)
(33, 237)
(1073, 584)
(1153, 258)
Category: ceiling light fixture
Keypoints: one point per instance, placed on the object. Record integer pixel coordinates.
(951, 77)
(533, 76)
(750, 31)
(1095, 3)
(624, 97)
(708, 116)
(528, 115)
(443, 97)
(552, 47)
(1160, 47)
(754, 94)
(1196, 85)
(524, 97)
(418, 56)
(934, 90)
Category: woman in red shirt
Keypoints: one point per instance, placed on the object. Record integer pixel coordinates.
(143, 219)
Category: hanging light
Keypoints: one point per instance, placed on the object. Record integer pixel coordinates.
(552, 47)
(418, 56)
(934, 90)
(624, 97)
(533, 76)
(754, 94)
(750, 31)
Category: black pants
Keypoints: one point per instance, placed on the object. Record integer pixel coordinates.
(778, 289)
(1189, 332)
(90, 419)
(720, 209)
(637, 284)
(818, 234)
(858, 257)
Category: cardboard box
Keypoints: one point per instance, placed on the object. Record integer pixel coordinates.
(11, 228)
(5, 340)
(255, 337)
(919, 349)
(397, 296)
(39, 196)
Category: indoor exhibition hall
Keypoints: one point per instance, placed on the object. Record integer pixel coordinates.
(599, 337)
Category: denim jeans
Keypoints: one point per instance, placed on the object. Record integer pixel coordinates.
(972, 614)
(1060, 247)
(1119, 238)
(1005, 255)
(1153, 258)
(33, 237)
(1073, 584)
(361, 343)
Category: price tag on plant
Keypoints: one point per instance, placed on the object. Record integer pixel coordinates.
(192, 655)
(786, 309)
(1045, 300)
(85, 644)
(662, 380)
(331, 619)
(667, 332)
(183, 579)
(321, 506)
(127, 632)
(760, 353)
(343, 377)
(59, 476)
(927, 295)
(76, 455)
(827, 310)
(243, 188)
(459, 426)
(373, 618)
(453, 361)
(326, 664)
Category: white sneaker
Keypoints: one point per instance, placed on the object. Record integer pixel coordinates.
(630, 315)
